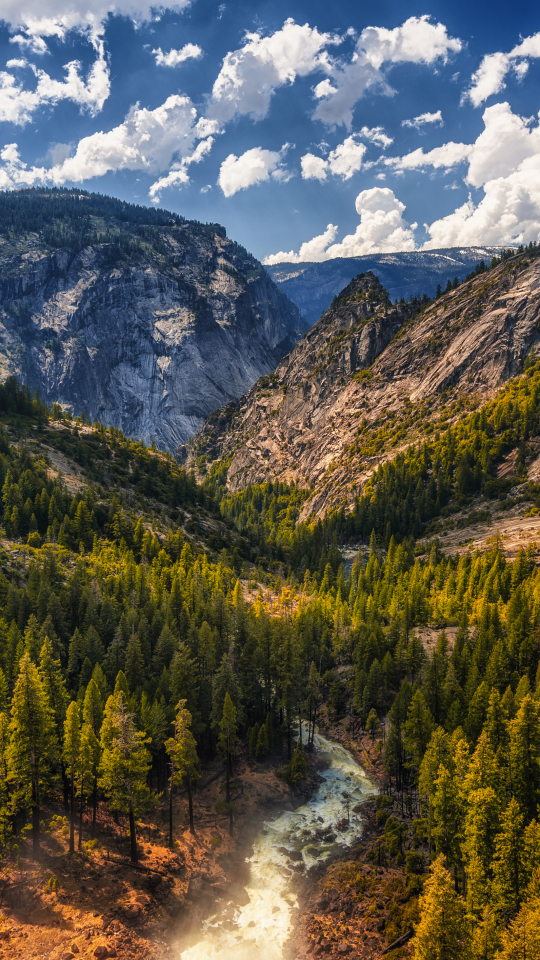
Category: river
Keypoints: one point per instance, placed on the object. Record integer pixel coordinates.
(259, 930)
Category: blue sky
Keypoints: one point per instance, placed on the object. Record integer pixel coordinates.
(309, 130)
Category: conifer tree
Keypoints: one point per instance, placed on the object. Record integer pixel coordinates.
(72, 747)
(87, 774)
(124, 765)
(509, 874)
(33, 750)
(525, 755)
(182, 751)
(227, 744)
(441, 933)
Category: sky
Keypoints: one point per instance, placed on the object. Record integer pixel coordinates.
(309, 130)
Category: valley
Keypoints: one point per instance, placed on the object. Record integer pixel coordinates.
(349, 549)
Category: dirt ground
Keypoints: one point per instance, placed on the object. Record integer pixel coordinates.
(97, 905)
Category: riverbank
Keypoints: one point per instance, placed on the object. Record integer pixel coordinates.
(97, 905)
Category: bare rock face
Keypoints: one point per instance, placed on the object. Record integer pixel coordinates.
(149, 333)
(368, 379)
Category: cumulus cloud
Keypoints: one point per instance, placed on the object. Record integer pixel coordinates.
(18, 103)
(190, 51)
(149, 140)
(415, 41)
(343, 162)
(420, 121)
(249, 76)
(505, 141)
(55, 18)
(505, 162)
(253, 166)
(313, 251)
(382, 229)
(346, 159)
(446, 156)
(494, 68)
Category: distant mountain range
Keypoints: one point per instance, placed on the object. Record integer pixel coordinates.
(313, 286)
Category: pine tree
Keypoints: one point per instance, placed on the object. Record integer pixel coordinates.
(525, 755)
(418, 729)
(124, 765)
(227, 744)
(93, 707)
(509, 874)
(522, 939)
(72, 747)
(33, 751)
(87, 774)
(182, 750)
(441, 933)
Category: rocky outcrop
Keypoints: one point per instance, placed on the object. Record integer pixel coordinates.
(147, 333)
(312, 286)
(367, 380)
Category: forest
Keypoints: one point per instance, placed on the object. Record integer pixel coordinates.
(138, 638)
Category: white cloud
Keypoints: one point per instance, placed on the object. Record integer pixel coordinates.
(415, 41)
(446, 156)
(179, 172)
(147, 140)
(313, 251)
(505, 161)
(424, 118)
(55, 18)
(313, 168)
(249, 76)
(343, 162)
(253, 166)
(346, 159)
(190, 51)
(376, 135)
(494, 68)
(18, 104)
(489, 78)
(382, 229)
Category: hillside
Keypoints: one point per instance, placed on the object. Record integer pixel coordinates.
(312, 286)
(135, 317)
(139, 608)
(366, 381)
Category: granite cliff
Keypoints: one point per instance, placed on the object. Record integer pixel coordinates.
(369, 379)
(135, 317)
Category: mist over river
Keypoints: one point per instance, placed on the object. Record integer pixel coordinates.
(259, 930)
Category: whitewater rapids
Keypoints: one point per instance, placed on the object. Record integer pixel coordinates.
(259, 930)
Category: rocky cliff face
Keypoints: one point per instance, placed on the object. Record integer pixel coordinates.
(312, 286)
(147, 326)
(367, 380)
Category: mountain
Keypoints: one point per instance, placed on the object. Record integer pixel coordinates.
(135, 317)
(312, 286)
(369, 379)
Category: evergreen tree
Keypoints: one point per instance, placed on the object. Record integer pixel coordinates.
(124, 765)
(441, 933)
(182, 751)
(32, 755)
(72, 748)
(227, 744)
